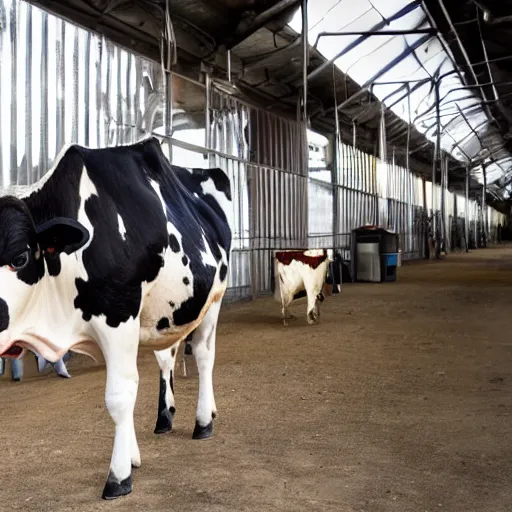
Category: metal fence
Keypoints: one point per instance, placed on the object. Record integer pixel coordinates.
(84, 89)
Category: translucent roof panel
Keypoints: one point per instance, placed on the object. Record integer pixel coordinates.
(411, 61)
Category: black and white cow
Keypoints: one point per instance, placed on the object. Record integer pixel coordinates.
(115, 249)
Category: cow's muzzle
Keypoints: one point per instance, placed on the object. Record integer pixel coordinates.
(9, 349)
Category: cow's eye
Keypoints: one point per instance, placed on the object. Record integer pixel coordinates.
(20, 261)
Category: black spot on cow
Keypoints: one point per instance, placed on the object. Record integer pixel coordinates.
(186, 281)
(190, 309)
(188, 349)
(114, 488)
(4, 315)
(163, 323)
(223, 272)
(172, 304)
(184, 260)
(173, 352)
(173, 243)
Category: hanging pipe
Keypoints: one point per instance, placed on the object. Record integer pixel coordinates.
(229, 65)
(207, 112)
(305, 59)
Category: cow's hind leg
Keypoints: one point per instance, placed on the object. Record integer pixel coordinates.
(166, 408)
(203, 348)
(315, 296)
(119, 346)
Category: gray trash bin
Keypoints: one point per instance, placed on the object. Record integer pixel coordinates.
(374, 254)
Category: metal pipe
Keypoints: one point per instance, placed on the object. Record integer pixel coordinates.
(349, 100)
(485, 213)
(466, 209)
(305, 62)
(207, 111)
(444, 174)
(464, 53)
(435, 169)
(403, 12)
(28, 99)
(430, 31)
(486, 57)
(426, 248)
(13, 22)
(43, 143)
(399, 58)
(229, 65)
(244, 30)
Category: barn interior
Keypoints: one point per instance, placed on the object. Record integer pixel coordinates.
(328, 115)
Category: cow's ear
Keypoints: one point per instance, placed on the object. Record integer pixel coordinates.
(61, 235)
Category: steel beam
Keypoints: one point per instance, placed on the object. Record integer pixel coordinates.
(403, 12)
(399, 58)
(244, 30)
(368, 33)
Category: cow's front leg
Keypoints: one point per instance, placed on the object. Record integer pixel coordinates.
(203, 344)
(119, 347)
(286, 314)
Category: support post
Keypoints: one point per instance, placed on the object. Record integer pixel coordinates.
(426, 240)
(484, 208)
(442, 230)
(466, 209)
(435, 170)
(207, 91)
(335, 166)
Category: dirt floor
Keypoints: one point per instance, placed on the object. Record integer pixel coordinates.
(400, 400)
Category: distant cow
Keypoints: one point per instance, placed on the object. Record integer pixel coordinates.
(298, 274)
(115, 249)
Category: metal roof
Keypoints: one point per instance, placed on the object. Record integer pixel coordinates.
(418, 44)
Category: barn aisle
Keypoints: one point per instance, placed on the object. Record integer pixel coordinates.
(400, 400)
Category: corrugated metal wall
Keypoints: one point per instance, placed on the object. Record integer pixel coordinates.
(372, 192)
(83, 89)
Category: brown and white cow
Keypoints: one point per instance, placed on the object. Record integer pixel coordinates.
(300, 273)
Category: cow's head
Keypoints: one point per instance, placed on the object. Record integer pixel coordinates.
(24, 249)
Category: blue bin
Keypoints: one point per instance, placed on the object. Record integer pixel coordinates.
(391, 260)
(388, 265)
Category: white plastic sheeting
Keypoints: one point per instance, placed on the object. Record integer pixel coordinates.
(411, 62)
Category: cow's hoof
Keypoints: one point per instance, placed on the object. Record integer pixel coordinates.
(115, 488)
(164, 421)
(203, 432)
